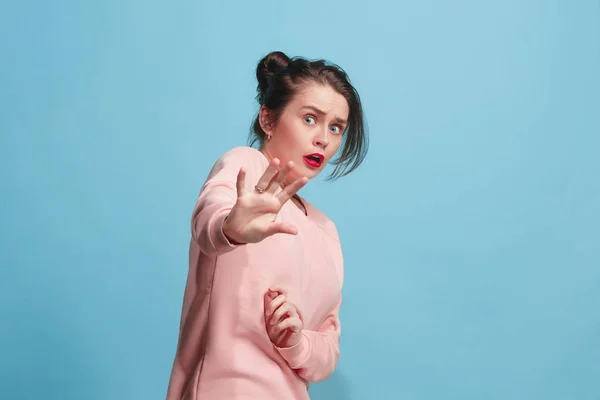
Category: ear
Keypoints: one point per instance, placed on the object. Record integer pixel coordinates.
(264, 119)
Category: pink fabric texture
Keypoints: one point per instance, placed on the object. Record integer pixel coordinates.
(223, 351)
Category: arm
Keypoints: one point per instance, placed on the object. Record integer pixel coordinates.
(217, 198)
(213, 206)
(316, 356)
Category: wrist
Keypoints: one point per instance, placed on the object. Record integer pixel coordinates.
(228, 234)
(297, 354)
(296, 343)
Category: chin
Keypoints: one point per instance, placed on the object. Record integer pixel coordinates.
(309, 172)
(312, 173)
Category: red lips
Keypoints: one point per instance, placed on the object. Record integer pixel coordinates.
(314, 160)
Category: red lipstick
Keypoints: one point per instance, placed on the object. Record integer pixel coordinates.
(314, 160)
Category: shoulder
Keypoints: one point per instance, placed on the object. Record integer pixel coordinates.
(230, 162)
(242, 155)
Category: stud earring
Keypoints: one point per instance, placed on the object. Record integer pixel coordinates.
(268, 136)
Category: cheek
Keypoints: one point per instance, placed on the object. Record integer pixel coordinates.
(294, 134)
(334, 146)
(287, 130)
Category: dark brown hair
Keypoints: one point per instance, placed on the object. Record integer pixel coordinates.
(280, 78)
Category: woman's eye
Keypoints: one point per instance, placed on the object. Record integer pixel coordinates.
(336, 129)
(309, 120)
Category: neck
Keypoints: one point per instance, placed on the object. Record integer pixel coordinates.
(265, 153)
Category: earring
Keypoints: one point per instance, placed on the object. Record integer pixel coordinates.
(268, 136)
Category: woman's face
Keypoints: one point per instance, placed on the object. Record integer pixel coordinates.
(309, 131)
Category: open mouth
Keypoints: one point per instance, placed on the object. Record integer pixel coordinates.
(314, 160)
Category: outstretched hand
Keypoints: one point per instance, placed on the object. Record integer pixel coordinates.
(252, 218)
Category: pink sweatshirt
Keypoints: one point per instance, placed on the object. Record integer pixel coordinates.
(224, 352)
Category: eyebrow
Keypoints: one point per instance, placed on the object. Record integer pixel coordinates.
(316, 110)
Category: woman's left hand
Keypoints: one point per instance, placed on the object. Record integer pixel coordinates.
(283, 323)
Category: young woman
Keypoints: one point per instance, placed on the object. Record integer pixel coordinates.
(260, 310)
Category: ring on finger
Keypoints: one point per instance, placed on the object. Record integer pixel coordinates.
(259, 190)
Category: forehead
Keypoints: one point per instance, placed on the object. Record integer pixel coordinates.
(323, 97)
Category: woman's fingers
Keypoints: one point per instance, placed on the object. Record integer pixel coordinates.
(292, 323)
(280, 177)
(282, 319)
(291, 189)
(275, 304)
(267, 176)
(253, 219)
(286, 309)
(274, 178)
(281, 227)
(241, 182)
(277, 290)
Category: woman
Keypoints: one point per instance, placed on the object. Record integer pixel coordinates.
(260, 310)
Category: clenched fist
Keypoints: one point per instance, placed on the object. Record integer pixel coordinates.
(283, 323)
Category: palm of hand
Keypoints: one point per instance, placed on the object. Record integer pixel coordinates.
(253, 216)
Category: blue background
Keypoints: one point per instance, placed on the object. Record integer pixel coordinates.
(471, 233)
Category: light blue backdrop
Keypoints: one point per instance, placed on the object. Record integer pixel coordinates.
(471, 233)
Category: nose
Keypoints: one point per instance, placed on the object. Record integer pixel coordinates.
(321, 139)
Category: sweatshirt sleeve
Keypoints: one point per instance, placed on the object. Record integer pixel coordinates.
(218, 196)
(316, 356)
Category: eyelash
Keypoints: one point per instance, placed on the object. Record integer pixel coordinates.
(315, 119)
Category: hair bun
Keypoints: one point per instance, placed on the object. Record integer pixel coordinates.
(270, 65)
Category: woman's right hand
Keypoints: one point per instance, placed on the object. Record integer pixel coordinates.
(252, 218)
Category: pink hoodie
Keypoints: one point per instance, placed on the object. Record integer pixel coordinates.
(224, 352)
